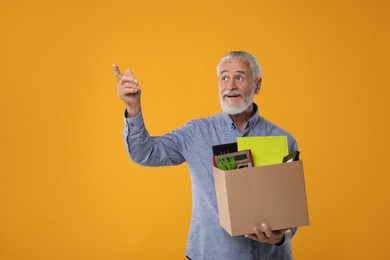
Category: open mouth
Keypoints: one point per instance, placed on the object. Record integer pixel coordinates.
(233, 96)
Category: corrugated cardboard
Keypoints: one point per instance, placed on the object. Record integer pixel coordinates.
(272, 194)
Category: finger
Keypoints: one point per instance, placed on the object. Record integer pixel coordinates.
(266, 230)
(286, 231)
(129, 73)
(129, 79)
(129, 91)
(258, 232)
(117, 72)
(129, 76)
(130, 85)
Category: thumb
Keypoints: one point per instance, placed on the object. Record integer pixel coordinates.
(129, 73)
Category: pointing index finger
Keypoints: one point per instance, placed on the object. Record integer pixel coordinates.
(117, 72)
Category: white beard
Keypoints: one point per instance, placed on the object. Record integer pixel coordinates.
(236, 109)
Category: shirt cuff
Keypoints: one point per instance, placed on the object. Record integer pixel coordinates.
(285, 239)
(134, 124)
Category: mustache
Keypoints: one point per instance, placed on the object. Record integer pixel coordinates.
(231, 93)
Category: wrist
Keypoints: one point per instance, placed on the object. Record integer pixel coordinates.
(132, 111)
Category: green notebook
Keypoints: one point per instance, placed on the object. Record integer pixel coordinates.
(265, 149)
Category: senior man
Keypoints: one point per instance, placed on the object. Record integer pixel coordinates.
(239, 81)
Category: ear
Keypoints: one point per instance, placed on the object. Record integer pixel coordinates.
(258, 86)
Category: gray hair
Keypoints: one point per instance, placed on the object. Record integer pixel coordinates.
(246, 56)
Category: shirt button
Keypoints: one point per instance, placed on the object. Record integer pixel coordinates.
(131, 124)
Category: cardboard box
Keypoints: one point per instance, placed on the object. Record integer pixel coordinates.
(272, 194)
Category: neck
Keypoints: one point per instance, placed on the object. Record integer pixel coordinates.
(241, 120)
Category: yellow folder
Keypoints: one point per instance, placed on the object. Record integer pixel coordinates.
(265, 150)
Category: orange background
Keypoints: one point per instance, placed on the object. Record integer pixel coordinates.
(67, 188)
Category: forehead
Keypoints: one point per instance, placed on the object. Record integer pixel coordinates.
(235, 65)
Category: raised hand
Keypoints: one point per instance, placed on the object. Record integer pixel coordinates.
(129, 91)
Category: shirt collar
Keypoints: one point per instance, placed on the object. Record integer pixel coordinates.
(251, 122)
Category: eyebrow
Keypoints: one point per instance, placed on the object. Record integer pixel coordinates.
(238, 71)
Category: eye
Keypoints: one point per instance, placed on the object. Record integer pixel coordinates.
(239, 78)
(225, 78)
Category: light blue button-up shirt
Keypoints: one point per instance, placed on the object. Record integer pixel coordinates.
(191, 143)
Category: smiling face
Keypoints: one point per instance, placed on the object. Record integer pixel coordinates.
(237, 87)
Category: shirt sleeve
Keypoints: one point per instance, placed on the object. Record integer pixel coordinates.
(146, 150)
(292, 144)
(288, 237)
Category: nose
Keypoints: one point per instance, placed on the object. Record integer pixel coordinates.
(231, 85)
